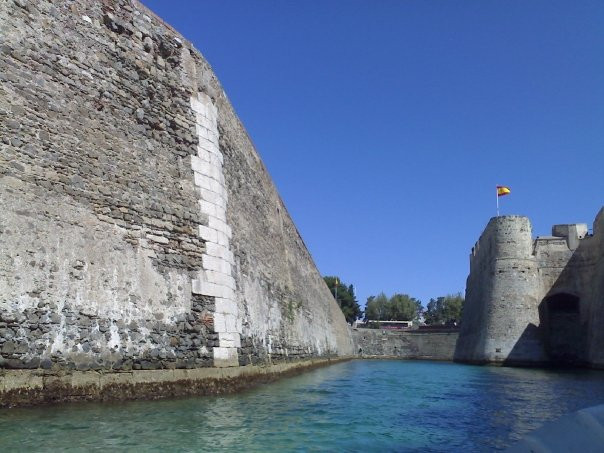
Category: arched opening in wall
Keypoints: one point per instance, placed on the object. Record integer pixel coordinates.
(563, 329)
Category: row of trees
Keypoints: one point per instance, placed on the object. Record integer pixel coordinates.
(399, 307)
(444, 310)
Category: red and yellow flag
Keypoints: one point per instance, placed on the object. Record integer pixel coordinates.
(503, 190)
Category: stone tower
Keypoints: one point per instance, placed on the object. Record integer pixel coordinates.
(501, 295)
(534, 301)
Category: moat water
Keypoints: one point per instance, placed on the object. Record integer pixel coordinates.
(352, 406)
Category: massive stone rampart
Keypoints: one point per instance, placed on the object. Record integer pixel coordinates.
(139, 228)
(534, 301)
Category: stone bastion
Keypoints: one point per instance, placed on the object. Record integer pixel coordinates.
(142, 240)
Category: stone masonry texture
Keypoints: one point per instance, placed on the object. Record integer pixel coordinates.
(383, 343)
(535, 301)
(139, 229)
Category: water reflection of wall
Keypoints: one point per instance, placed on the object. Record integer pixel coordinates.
(529, 395)
(511, 401)
(361, 405)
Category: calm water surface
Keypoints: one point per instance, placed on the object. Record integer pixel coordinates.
(352, 406)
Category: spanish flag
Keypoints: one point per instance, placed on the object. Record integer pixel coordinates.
(503, 190)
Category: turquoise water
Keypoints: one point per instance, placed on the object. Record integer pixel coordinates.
(352, 406)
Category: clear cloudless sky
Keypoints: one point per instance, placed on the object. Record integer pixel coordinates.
(386, 124)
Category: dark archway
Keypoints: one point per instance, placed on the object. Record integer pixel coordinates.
(563, 333)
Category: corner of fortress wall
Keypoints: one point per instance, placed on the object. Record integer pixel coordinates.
(596, 321)
(139, 229)
(510, 277)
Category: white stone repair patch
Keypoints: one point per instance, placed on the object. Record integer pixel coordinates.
(215, 279)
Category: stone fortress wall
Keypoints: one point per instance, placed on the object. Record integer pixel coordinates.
(139, 229)
(411, 344)
(535, 301)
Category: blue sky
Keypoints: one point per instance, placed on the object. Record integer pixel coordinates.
(387, 124)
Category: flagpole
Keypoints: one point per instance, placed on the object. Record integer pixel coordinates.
(497, 198)
(337, 290)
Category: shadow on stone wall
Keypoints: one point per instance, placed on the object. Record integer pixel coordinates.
(561, 339)
(562, 331)
(529, 349)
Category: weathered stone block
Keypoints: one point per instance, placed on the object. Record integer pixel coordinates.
(219, 322)
(225, 357)
(216, 264)
(218, 199)
(229, 340)
(212, 289)
(220, 279)
(208, 234)
(219, 225)
(219, 251)
(226, 306)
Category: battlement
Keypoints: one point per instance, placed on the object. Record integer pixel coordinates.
(573, 233)
(507, 236)
(504, 237)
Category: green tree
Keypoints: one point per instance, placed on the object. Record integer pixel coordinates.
(345, 298)
(444, 309)
(419, 309)
(399, 307)
(402, 307)
(377, 308)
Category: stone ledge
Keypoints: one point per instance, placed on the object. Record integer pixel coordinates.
(35, 387)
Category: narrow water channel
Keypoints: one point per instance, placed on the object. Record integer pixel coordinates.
(352, 406)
